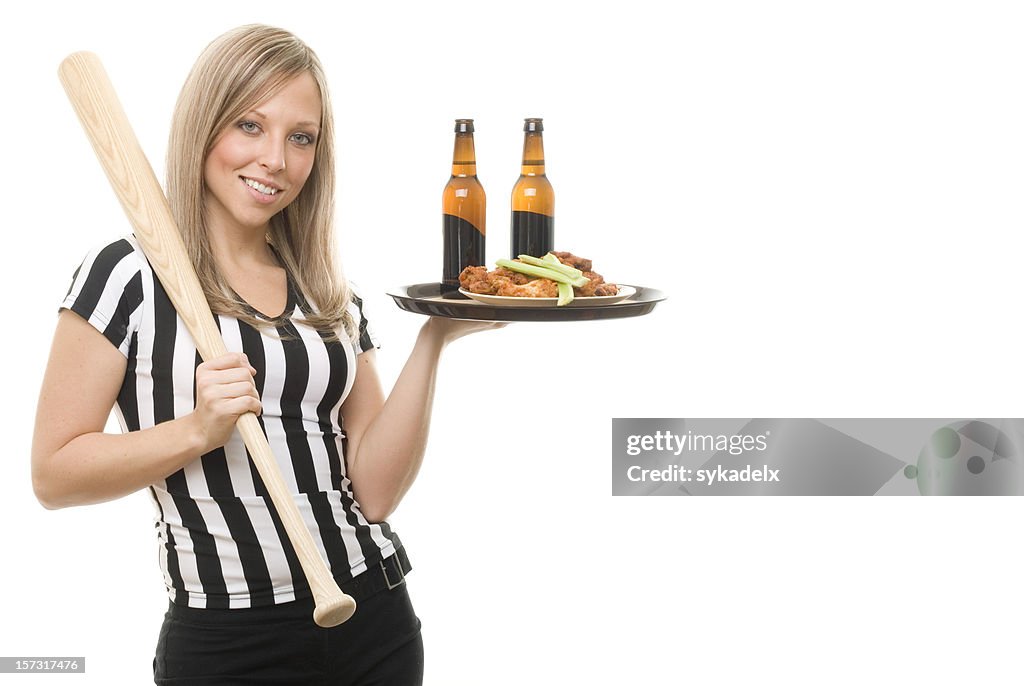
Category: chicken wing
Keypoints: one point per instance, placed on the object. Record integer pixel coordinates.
(534, 288)
(581, 263)
(506, 282)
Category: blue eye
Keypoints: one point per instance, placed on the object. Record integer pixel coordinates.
(249, 126)
(303, 138)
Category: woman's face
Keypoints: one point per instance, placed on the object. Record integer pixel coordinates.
(260, 162)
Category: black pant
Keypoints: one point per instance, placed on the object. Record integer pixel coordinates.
(379, 645)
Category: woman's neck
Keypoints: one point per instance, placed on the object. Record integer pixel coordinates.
(238, 248)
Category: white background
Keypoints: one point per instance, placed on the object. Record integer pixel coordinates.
(830, 193)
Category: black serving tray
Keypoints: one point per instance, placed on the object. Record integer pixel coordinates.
(434, 300)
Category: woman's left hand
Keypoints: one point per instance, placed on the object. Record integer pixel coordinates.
(445, 330)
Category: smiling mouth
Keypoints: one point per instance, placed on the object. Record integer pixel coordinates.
(257, 186)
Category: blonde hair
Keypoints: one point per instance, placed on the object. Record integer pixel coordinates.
(234, 74)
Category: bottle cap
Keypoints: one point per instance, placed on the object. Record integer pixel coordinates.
(463, 126)
(533, 124)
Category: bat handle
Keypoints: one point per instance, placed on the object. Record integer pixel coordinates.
(333, 610)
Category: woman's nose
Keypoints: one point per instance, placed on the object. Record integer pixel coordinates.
(272, 155)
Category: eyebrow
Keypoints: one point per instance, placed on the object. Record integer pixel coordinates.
(301, 123)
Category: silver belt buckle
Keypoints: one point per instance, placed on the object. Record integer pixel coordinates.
(387, 580)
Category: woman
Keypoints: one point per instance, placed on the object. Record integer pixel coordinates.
(250, 182)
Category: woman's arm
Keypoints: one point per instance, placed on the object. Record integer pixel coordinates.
(387, 438)
(75, 463)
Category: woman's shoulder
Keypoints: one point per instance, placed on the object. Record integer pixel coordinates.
(108, 289)
(355, 301)
(121, 257)
(365, 336)
(109, 269)
(126, 244)
(124, 247)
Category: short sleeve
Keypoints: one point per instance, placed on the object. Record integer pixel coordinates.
(367, 339)
(106, 291)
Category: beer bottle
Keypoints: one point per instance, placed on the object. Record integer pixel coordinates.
(533, 198)
(464, 206)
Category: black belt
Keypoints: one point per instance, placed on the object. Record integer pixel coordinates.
(384, 575)
(379, 576)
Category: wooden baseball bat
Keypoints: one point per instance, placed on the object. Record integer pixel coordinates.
(118, 150)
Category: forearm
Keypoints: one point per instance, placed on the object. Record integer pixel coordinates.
(96, 467)
(386, 459)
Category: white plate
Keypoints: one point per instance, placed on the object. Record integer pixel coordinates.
(508, 301)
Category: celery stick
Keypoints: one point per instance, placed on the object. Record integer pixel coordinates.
(558, 264)
(565, 294)
(542, 272)
(555, 264)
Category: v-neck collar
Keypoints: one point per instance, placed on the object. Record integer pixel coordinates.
(290, 298)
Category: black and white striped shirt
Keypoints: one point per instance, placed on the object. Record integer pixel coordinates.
(221, 542)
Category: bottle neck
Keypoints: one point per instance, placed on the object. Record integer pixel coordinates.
(464, 157)
(533, 154)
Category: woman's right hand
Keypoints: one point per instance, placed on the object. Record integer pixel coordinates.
(224, 392)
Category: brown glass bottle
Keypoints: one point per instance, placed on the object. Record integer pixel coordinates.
(464, 206)
(533, 198)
